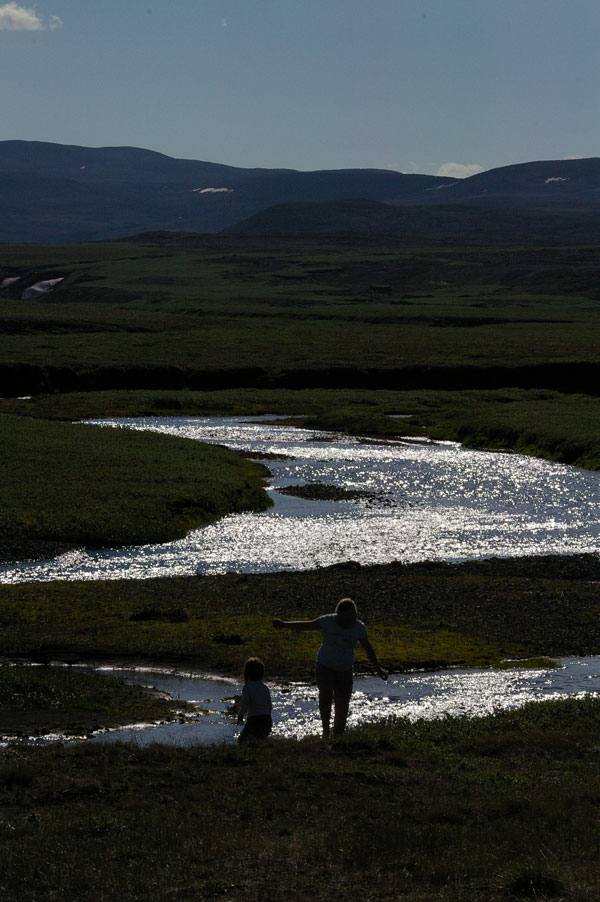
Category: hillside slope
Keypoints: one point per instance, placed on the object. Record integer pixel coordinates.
(56, 193)
(64, 193)
(447, 225)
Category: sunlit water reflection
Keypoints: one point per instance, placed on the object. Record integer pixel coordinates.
(295, 713)
(431, 502)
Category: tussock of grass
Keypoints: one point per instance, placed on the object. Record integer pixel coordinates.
(456, 810)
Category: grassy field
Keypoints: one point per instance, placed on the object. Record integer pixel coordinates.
(455, 810)
(493, 347)
(204, 312)
(419, 615)
(83, 485)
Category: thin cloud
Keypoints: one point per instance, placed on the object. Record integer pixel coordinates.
(18, 18)
(459, 170)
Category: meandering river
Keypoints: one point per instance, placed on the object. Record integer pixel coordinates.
(424, 501)
(413, 500)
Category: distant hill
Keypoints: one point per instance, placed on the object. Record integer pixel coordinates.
(54, 192)
(65, 193)
(451, 224)
(568, 184)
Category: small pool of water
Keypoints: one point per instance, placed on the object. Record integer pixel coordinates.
(473, 693)
(425, 501)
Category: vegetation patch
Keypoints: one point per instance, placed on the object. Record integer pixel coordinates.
(318, 491)
(457, 810)
(40, 700)
(419, 615)
(85, 485)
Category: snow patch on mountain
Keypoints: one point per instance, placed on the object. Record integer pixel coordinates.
(439, 187)
(212, 190)
(40, 288)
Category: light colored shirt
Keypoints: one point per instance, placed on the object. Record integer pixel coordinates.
(337, 647)
(256, 699)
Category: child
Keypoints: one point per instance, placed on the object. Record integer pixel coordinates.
(334, 671)
(256, 702)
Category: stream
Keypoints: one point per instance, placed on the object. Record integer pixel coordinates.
(295, 712)
(414, 501)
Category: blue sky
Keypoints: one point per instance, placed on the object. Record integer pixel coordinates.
(431, 86)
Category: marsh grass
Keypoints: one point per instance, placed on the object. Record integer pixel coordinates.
(395, 810)
(563, 428)
(223, 642)
(560, 427)
(85, 485)
(42, 699)
(420, 615)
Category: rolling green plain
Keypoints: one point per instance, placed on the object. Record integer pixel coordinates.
(343, 329)
(291, 313)
(496, 347)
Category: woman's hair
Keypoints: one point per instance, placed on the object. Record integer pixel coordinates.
(345, 605)
(254, 669)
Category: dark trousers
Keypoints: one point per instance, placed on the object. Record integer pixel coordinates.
(257, 727)
(334, 686)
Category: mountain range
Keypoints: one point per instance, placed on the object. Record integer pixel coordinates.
(64, 193)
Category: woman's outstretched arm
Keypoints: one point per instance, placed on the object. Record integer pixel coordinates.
(373, 657)
(296, 624)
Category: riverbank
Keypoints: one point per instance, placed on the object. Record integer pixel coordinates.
(455, 810)
(64, 485)
(455, 332)
(419, 615)
(549, 424)
(39, 700)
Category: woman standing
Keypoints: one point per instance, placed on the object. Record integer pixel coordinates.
(335, 659)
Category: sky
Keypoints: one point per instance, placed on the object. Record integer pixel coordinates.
(448, 87)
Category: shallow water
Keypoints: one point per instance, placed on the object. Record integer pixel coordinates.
(432, 501)
(415, 696)
(295, 713)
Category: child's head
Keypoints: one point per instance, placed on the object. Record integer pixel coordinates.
(254, 669)
(346, 612)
